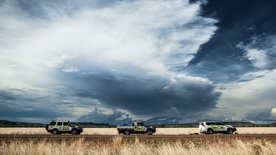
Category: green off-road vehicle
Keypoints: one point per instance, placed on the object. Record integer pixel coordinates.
(63, 127)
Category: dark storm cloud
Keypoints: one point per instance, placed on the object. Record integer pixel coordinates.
(8, 110)
(115, 118)
(151, 96)
(261, 116)
(219, 59)
(6, 96)
(20, 103)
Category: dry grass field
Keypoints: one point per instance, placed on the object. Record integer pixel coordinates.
(118, 146)
(159, 131)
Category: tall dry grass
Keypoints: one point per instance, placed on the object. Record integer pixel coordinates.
(118, 146)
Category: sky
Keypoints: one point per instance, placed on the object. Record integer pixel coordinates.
(114, 61)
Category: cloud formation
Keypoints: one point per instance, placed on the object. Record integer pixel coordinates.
(113, 61)
(251, 99)
(178, 97)
(261, 51)
(121, 55)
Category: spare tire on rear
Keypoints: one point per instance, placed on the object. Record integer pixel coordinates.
(47, 127)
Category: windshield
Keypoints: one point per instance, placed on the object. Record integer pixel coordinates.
(73, 124)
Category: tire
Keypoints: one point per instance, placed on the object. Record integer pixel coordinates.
(74, 132)
(149, 132)
(210, 131)
(55, 132)
(47, 127)
(126, 132)
(230, 131)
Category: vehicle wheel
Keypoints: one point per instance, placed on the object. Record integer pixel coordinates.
(54, 132)
(127, 133)
(210, 131)
(47, 127)
(149, 132)
(74, 132)
(230, 131)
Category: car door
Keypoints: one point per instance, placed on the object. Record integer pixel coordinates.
(65, 126)
(139, 127)
(215, 127)
(52, 125)
(221, 127)
(59, 126)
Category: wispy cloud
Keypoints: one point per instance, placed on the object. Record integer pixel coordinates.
(260, 51)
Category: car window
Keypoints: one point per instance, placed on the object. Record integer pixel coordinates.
(65, 123)
(139, 124)
(53, 123)
(59, 123)
(73, 124)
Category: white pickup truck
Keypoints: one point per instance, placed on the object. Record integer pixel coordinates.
(135, 128)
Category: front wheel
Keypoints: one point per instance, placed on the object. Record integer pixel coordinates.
(230, 131)
(127, 133)
(74, 132)
(54, 132)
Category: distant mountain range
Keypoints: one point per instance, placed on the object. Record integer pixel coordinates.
(6, 123)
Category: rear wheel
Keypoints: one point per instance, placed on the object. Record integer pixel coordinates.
(230, 131)
(54, 132)
(149, 132)
(210, 131)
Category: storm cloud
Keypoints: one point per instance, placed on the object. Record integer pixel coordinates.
(152, 96)
(221, 59)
